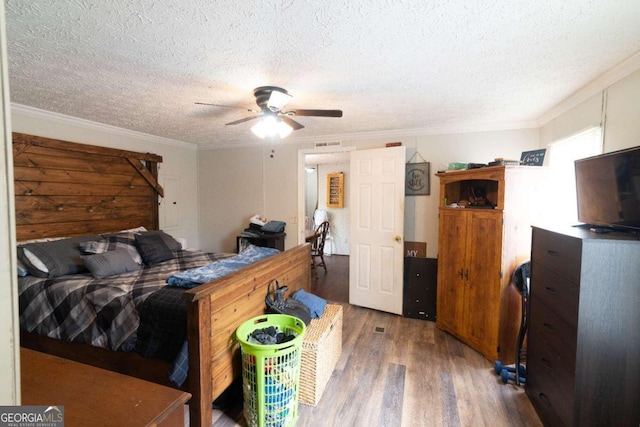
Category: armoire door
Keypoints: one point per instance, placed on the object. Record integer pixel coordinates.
(451, 266)
(482, 288)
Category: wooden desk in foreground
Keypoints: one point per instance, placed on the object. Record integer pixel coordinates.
(96, 397)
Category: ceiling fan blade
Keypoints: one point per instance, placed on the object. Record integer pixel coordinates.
(228, 106)
(294, 125)
(246, 119)
(318, 113)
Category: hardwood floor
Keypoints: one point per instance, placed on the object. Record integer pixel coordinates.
(412, 374)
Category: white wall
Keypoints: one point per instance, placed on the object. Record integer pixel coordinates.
(618, 104)
(178, 158)
(231, 192)
(311, 195)
(585, 115)
(623, 114)
(235, 181)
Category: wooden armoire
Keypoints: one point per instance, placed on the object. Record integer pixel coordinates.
(485, 218)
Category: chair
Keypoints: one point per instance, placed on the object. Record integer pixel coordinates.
(521, 279)
(317, 247)
(320, 216)
(518, 372)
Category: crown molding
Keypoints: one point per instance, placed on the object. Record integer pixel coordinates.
(386, 134)
(592, 88)
(62, 119)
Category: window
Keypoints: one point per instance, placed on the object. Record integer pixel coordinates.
(562, 155)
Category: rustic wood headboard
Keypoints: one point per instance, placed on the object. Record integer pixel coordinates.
(69, 189)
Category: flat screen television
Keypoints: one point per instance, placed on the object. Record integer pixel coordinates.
(608, 190)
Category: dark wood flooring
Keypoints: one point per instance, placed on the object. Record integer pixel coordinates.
(334, 284)
(413, 374)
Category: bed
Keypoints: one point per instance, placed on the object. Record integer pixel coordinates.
(70, 189)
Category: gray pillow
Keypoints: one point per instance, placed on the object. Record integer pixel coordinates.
(152, 248)
(55, 258)
(110, 243)
(171, 243)
(110, 263)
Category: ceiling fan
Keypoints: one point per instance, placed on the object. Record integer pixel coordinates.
(272, 100)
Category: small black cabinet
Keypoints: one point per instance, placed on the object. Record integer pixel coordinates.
(267, 240)
(420, 282)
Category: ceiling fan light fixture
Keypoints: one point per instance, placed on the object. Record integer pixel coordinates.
(273, 121)
(277, 100)
(270, 126)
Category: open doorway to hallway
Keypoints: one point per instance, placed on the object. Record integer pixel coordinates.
(317, 164)
(316, 207)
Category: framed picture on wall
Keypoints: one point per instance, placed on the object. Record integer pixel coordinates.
(417, 182)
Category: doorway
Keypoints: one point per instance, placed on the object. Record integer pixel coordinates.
(377, 178)
(313, 168)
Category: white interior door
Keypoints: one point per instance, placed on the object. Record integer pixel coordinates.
(170, 206)
(376, 228)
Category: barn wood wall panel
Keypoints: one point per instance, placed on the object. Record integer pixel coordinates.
(68, 189)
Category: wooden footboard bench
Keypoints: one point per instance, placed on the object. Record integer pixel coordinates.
(218, 308)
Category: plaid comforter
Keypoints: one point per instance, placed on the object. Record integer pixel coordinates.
(101, 312)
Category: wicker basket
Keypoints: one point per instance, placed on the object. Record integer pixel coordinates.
(321, 349)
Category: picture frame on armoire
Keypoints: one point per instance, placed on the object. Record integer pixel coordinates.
(533, 157)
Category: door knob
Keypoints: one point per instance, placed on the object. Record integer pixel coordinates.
(398, 239)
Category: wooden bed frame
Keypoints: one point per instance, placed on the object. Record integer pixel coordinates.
(67, 189)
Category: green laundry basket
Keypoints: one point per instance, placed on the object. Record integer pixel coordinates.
(271, 373)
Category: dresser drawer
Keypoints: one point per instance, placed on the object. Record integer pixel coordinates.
(543, 406)
(549, 386)
(555, 332)
(557, 293)
(558, 253)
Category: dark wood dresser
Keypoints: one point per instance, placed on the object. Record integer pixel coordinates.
(583, 356)
(420, 287)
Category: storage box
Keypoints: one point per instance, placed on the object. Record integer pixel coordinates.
(321, 349)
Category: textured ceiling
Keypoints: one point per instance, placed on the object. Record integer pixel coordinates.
(388, 64)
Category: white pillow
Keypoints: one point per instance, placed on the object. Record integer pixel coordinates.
(35, 261)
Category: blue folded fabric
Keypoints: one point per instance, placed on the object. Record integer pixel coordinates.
(196, 276)
(314, 303)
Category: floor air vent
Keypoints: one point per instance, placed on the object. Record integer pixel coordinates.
(378, 330)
